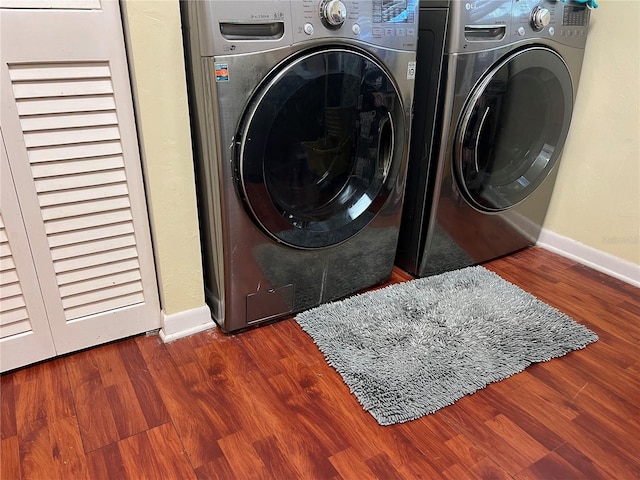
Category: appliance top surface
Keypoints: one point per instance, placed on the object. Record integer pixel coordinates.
(487, 24)
(244, 26)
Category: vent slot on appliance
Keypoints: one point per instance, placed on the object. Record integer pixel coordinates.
(479, 33)
(252, 31)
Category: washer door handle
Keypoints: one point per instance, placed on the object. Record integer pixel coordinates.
(477, 142)
(386, 144)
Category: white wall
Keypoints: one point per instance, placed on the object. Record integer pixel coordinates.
(596, 200)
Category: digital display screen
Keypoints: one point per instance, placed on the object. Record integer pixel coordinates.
(394, 11)
(575, 16)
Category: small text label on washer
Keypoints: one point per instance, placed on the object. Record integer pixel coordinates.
(411, 71)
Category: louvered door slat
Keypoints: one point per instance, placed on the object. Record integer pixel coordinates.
(64, 121)
(74, 152)
(103, 258)
(47, 184)
(9, 276)
(85, 208)
(104, 306)
(78, 276)
(66, 88)
(71, 136)
(13, 322)
(73, 167)
(98, 297)
(86, 248)
(58, 71)
(86, 103)
(88, 221)
(10, 288)
(8, 303)
(18, 325)
(6, 264)
(53, 198)
(100, 283)
(80, 237)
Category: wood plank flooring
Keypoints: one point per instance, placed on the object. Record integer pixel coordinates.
(264, 405)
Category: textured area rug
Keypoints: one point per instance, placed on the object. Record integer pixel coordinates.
(410, 349)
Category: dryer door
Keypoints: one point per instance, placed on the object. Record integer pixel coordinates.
(320, 147)
(513, 128)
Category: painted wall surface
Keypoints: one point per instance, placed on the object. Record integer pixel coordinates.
(154, 45)
(597, 196)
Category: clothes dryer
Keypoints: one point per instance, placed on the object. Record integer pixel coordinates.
(301, 114)
(511, 72)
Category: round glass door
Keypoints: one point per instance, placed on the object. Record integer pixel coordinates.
(513, 128)
(319, 144)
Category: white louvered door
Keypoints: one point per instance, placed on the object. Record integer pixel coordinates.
(68, 124)
(25, 336)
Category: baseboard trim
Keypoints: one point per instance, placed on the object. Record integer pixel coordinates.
(183, 324)
(598, 260)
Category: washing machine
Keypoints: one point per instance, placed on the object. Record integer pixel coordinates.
(511, 72)
(301, 116)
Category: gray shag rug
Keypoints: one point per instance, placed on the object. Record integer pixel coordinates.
(412, 348)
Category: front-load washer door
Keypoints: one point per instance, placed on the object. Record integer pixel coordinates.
(320, 145)
(512, 129)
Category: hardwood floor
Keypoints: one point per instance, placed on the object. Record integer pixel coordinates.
(264, 404)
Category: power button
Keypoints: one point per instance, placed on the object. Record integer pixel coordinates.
(308, 28)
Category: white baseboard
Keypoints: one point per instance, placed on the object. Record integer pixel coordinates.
(183, 324)
(598, 260)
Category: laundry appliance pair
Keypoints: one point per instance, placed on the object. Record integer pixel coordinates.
(493, 109)
(301, 114)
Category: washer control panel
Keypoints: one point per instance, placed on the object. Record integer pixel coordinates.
(565, 22)
(234, 27)
(390, 23)
(481, 24)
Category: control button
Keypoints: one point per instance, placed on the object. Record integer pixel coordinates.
(376, 32)
(400, 32)
(355, 29)
(522, 31)
(552, 31)
(411, 32)
(308, 28)
(389, 32)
